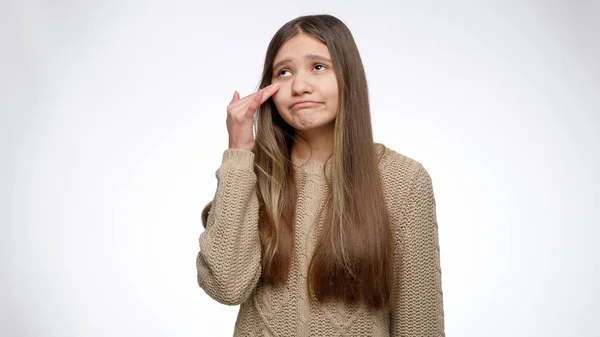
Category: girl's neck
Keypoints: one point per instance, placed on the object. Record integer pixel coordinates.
(321, 144)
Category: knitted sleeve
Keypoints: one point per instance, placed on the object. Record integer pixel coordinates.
(417, 308)
(228, 263)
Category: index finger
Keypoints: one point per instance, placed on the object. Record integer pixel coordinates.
(269, 91)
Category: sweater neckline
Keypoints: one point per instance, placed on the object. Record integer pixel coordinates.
(314, 167)
(309, 166)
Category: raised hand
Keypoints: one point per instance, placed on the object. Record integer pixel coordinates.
(240, 116)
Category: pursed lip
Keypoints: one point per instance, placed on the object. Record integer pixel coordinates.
(303, 102)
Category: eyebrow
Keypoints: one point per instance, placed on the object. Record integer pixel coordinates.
(311, 57)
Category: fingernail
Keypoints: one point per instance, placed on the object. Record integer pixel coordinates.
(275, 85)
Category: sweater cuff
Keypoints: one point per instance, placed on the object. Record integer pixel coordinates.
(241, 158)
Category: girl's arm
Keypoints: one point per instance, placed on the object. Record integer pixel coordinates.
(229, 261)
(417, 307)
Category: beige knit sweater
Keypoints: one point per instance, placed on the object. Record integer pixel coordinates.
(228, 263)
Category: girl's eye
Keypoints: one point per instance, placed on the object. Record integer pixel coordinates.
(318, 67)
(281, 72)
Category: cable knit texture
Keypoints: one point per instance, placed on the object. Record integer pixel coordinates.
(228, 263)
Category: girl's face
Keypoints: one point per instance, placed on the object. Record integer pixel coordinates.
(308, 96)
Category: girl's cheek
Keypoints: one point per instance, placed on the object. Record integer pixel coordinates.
(276, 97)
(279, 91)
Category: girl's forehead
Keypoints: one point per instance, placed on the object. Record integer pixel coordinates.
(302, 47)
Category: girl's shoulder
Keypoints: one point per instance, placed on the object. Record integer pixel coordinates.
(393, 164)
(400, 175)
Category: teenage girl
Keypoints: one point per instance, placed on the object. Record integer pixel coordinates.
(315, 229)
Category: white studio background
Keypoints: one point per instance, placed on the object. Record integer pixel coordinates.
(113, 126)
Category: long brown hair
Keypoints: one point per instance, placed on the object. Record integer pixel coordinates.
(352, 258)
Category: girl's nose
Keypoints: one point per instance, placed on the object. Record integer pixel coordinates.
(301, 85)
